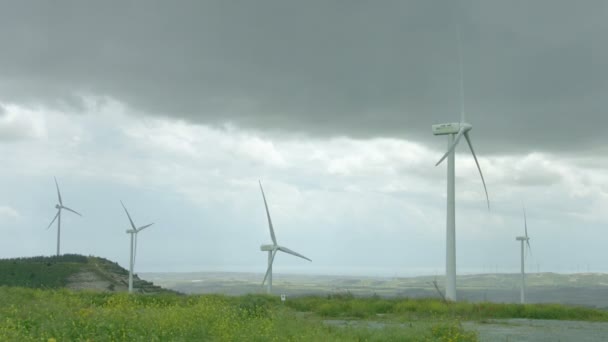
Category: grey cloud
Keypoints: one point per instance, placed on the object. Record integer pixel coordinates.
(537, 177)
(17, 127)
(535, 72)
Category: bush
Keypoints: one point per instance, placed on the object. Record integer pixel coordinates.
(452, 332)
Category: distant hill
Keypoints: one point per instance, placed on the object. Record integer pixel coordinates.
(589, 289)
(71, 271)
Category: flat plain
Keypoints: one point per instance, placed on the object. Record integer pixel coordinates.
(587, 289)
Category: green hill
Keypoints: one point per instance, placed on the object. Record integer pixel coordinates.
(72, 271)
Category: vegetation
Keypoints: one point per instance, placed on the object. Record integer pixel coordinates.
(58, 271)
(64, 315)
(348, 306)
(37, 308)
(40, 272)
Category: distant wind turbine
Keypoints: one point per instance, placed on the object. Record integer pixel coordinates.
(59, 206)
(272, 249)
(133, 231)
(455, 131)
(523, 274)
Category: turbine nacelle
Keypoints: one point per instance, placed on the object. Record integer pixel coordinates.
(451, 128)
(57, 206)
(522, 238)
(268, 248)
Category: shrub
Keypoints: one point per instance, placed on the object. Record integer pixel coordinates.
(452, 332)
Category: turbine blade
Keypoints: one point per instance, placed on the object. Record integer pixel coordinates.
(453, 146)
(529, 248)
(269, 267)
(58, 193)
(466, 135)
(289, 251)
(55, 218)
(129, 216)
(274, 239)
(144, 227)
(74, 211)
(460, 63)
(525, 222)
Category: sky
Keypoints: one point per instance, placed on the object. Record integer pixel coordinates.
(179, 109)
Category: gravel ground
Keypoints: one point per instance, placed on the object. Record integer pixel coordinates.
(539, 330)
(513, 330)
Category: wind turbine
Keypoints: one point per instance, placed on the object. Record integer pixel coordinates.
(455, 131)
(272, 249)
(133, 231)
(59, 206)
(523, 274)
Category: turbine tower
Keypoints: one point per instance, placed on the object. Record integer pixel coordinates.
(59, 206)
(521, 239)
(455, 131)
(133, 231)
(272, 249)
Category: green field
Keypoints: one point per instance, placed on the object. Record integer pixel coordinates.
(64, 315)
(35, 305)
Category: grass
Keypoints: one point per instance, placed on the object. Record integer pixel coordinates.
(63, 315)
(348, 306)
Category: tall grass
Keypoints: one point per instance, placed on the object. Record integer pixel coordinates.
(63, 315)
(346, 306)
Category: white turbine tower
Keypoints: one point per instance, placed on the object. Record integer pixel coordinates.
(455, 131)
(133, 231)
(59, 206)
(272, 249)
(521, 239)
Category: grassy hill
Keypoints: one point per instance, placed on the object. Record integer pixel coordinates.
(70, 271)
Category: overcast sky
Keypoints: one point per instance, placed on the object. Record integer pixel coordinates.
(179, 108)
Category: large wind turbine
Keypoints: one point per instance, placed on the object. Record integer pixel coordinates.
(272, 249)
(59, 206)
(455, 131)
(133, 231)
(523, 274)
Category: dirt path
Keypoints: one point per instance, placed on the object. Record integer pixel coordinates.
(97, 279)
(87, 281)
(515, 330)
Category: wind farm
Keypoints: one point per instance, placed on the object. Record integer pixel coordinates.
(177, 111)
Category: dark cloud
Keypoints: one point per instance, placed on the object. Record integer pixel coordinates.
(535, 72)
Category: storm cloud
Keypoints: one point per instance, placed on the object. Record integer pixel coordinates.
(535, 72)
